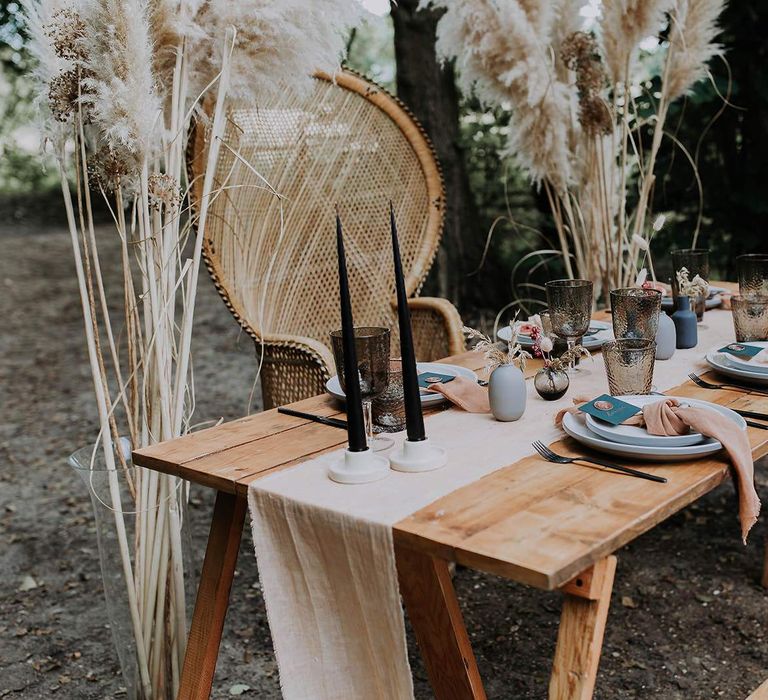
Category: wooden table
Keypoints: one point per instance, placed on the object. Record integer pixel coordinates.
(548, 528)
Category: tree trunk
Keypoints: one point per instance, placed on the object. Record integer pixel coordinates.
(429, 90)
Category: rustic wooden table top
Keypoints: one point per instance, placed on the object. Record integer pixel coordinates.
(533, 522)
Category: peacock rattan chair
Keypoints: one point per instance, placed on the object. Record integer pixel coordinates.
(349, 143)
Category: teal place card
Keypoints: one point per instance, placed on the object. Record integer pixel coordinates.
(426, 379)
(741, 350)
(610, 409)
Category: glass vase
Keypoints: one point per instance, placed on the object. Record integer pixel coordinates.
(551, 384)
(144, 553)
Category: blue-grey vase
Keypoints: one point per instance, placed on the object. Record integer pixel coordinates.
(507, 393)
(666, 337)
(684, 319)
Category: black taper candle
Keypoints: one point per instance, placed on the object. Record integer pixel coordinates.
(355, 422)
(414, 420)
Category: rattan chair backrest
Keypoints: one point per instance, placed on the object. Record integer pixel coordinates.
(348, 143)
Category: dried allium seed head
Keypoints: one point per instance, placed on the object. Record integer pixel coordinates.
(580, 54)
(63, 94)
(578, 48)
(164, 191)
(108, 168)
(66, 31)
(594, 115)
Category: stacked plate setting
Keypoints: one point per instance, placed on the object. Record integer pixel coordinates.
(428, 398)
(632, 441)
(742, 369)
(599, 332)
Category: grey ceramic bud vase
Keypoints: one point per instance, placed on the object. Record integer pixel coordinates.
(507, 393)
(666, 337)
(684, 319)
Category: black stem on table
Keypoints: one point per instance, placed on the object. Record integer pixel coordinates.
(414, 420)
(355, 422)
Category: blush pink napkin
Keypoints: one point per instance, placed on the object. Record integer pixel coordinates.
(464, 393)
(668, 417)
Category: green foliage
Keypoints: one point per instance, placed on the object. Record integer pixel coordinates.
(371, 51)
(511, 222)
(23, 169)
(13, 57)
(729, 143)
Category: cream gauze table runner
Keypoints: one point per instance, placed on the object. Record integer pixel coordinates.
(325, 552)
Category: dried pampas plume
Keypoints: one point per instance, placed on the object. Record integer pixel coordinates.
(501, 53)
(693, 28)
(279, 44)
(54, 98)
(624, 24)
(118, 83)
(125, 106)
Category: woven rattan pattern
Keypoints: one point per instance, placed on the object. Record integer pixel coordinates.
(347, 143)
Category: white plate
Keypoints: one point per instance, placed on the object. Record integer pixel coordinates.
(743, 363)
(333, 387)
(720, 362)
(591, 342)
(576, 427)
(636, 435)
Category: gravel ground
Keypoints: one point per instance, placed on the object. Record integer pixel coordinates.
(687, 617)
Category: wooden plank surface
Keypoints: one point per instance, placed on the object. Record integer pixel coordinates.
(229, 456)
(542, 524)
(760, 693)
(535, 522)
(203, 456)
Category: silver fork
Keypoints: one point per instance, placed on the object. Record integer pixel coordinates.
(551, 456)
(709, 385)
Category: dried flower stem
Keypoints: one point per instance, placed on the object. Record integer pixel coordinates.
(532, 58)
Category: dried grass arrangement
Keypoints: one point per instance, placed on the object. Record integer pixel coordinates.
(696, 287)
(119, 82)
(576, 123)
(498, 354)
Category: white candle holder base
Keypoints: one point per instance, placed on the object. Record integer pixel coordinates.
(420, 456)
(359, 467)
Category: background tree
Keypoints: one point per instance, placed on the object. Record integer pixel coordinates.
(429, 90)
(398, 51)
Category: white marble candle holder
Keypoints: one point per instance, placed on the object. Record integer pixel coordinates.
(359, 467)
(419, 456)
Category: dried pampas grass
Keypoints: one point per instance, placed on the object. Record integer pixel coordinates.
(120, 87)
(118, 84)
(624, 24)
(575, 127)
(502, 53)
(279, 45)
(693, 28)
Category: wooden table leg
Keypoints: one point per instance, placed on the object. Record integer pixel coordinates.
(430, 599)
(580, 637)
(212, 596)
(760, 693)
